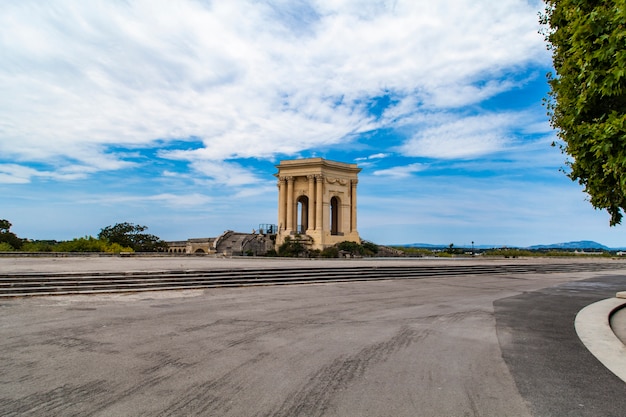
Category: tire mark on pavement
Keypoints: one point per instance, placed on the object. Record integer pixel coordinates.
(164, 367)
(117, 397)
(61, 400)
(80, 344)
(315, 397)
(456, 317)
(163, 360)
(213, 397)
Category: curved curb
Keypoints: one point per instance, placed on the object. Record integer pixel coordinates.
(594, 330)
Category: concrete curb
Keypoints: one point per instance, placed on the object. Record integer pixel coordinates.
(594, 330)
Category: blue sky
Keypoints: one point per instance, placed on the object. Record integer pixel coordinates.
(173, 115)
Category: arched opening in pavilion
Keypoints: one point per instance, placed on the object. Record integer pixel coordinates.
(335, 220)
(302, 211)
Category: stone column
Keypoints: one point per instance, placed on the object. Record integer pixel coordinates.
(319, 211)
(353, 205)
(311, 208)
(281, 204)
(290, 204)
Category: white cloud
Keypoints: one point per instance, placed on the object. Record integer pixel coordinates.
(167, 199)
(467, 137)
(219, 172)
(20, 174)
(368, 161)
(184, 200)
(99, 86)
(225, 173)
(462, 94)
(400, 171)
(379, 155)
(16, 174)
(250, 79)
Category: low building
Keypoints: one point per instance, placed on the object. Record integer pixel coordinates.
(229, 243)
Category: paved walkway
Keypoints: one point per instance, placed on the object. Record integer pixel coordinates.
(160, 263)
(470, 345)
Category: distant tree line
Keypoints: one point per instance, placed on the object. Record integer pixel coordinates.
(121, 237)
(500, 252)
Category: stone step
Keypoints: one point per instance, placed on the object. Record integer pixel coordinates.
(25, 284)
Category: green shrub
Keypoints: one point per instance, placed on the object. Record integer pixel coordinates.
(291, 248)
(369, 248)
(5, 247)
(352, 247)
(116, 248)
(81, 244)
(90, 244)
(330, 252)
(509, 252)
(11, 239)
(410, 251)
(39, 246)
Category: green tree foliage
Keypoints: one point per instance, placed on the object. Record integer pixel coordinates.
(132, 236)
(81, 244)
(370, 248)
(5, 225)
(39, 246)
(352, 247)
(587, 102)
(295, 248)
(8, 237)
(90, 244)
(355, 249)
(330, 252)
(510, 252)
(5, 247)
(411, 251)
(291, 248)
(454, 251)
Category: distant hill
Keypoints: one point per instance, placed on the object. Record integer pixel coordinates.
(581, 244)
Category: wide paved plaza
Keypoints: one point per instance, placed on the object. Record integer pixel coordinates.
(467, 345)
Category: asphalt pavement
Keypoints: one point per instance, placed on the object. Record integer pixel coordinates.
(471, 345)
(552, 368)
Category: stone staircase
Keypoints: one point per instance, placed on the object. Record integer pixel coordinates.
(39, 284)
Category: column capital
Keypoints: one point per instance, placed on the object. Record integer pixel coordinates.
(354, 182)
(319, 177)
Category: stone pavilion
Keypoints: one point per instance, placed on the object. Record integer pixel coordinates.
(317, 202)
